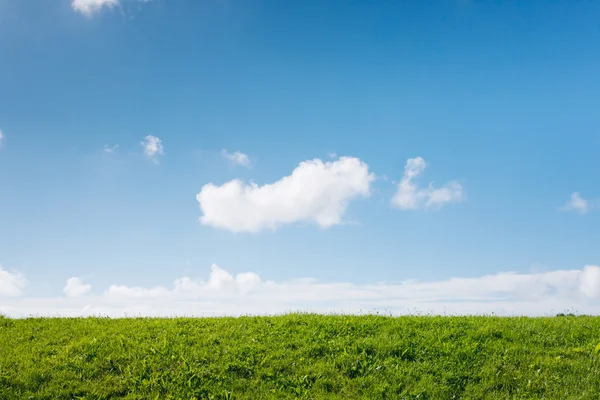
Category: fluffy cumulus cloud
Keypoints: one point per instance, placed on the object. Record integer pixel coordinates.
(75, 287)
(589, 280)
(507, 293)
(220, 283)
(315, 191)
(577, 203)
(11, 283)
(237, 158)
(153, 147)
(411, 197)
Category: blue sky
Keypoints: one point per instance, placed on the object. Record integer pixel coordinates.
(493, 103)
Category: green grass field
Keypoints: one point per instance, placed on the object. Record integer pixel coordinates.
(301, 356)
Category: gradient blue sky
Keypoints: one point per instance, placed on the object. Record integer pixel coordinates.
(500, 96)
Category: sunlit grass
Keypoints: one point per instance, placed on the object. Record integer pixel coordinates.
(301, 356)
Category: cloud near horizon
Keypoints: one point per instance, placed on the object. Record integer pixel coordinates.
(410, 197)
(75, 287)
(11, 283)
(315, 191)
(507, 293)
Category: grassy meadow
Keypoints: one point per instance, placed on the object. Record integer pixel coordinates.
(301, 356)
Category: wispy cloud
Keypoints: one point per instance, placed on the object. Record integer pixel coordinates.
(576, 203)
(153, 147)
(315, 191)
(75, 287)
(90, 7)
(410, 197)
(222, 293)
(1, 137)
(11, 283)
(237, 158)
(111, 149)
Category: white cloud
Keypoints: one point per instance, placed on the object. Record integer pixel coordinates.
(576, 203)
(90, 7)
(315, 191)
(75, 287)
(507, 293)
(110, 149)
(152, 147)
(219, 280)
(237, 158)
(410, 197)
(135, 292)
(590, 281)
(219, 283)
(11, 283)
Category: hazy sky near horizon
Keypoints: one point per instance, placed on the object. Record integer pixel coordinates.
(372, 147)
